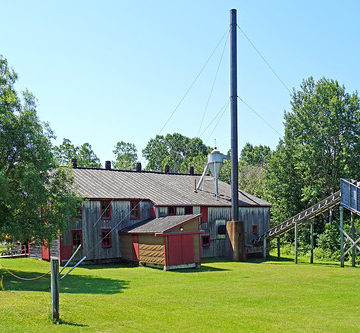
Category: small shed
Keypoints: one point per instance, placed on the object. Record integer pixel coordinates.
(171, 242)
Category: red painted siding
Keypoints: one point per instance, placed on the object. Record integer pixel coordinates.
(65, 252)
(45, 252)
(135, 242)
(204, 214)
(181, 249)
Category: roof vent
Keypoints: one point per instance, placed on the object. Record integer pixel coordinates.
(191, 170)
(166, 169)
(138, 167)
(74, 162)
(107, 165)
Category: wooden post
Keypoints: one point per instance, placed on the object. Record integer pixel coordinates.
(54, 289)
(296, 232)
(264, 249)
(312, 242)
(278, 247)
(341, 237)
(353, 235)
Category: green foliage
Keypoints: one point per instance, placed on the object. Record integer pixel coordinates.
(28, 179)
(321, 145)
(126, 156)
(255, 155)
(175, 150)
(84, 154)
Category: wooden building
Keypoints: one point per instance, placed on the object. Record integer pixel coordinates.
(171, 242)
(115, 200)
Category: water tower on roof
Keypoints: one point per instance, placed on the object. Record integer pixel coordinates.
(214, 163)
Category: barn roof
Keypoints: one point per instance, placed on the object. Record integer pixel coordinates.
(158, 225)
(160, 188)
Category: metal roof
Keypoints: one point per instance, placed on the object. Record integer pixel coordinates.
(158, 225)
(160, 188)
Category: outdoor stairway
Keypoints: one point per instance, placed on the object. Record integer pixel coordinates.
(348, 197)
(303, 217)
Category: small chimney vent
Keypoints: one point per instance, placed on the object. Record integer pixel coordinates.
(166, 169)
(138, 167)
(74, 162)
(107, 165)
(191, 170)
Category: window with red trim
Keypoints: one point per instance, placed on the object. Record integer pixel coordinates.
(134, 210)
(254, 229)
(205, 240)
(171, 211)
(105, 209)
(76, 238)
(188, 210)
(106, 238)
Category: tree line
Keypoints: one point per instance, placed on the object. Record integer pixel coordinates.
(320, 145)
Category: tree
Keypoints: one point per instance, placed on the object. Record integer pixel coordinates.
(321, 145)
(84, 154)
(174, 150)
(126, 156)
(86, 157)
(35, 198)
(255, 155)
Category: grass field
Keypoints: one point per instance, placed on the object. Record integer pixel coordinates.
(274, 296)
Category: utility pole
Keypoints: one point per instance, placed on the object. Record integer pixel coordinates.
(235, 228)
(234, 111)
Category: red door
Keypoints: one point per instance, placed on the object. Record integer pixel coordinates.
(135, 243)
(45, 253)
(181, 249)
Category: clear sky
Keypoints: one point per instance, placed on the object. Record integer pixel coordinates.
(106, 71)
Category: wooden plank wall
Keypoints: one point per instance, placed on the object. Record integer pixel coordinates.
(259, 216)
(126, 247)
(151, 249)
(92, 224)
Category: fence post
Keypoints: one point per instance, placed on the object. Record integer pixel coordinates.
(54, 288)
(341, 237)
(312, 242)
(296, 232)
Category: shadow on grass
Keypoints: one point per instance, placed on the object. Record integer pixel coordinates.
(71, 284)
(69, 323)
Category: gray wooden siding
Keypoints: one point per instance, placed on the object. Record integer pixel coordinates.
(259, 216)
(91, 225)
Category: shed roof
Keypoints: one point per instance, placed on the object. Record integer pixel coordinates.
(158, 225)
(160, 188)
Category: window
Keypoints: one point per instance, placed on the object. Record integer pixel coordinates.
(171, 211)
(220, 227)
(254, 229)
(205, 240)
(76, 236)
(134, 210)
(188, 210)
(106, 238)
(105, 209)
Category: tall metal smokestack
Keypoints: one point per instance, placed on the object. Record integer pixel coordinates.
(234, 128)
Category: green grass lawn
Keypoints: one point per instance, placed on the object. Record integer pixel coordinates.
(274, 296)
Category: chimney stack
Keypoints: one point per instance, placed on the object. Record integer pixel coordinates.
(191, 170)
(74, 162)
(166, 169)
(107, 165)
(138, 167)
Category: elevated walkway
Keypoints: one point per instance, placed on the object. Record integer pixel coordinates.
(348, 197)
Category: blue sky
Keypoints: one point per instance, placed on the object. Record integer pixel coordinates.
(106, 71)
